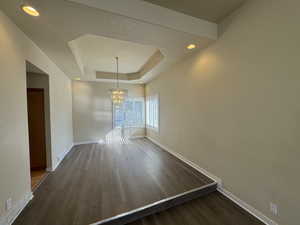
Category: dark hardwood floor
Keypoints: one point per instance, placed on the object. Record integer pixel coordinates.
(37, 177)
(212, 209)
(98, 181)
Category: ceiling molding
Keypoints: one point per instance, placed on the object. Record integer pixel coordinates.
(156, 15)
(62, 22)
(153, 61)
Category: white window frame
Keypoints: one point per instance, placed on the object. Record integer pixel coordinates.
(148, 99)
(142, 125)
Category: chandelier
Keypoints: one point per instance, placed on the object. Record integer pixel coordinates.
(117, 94)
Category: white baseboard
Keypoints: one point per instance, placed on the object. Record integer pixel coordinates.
(195, 166)
(136, 137)
(10, 217)
(17, 208)
(61, 156)
(85, 142)
(260, 216)
(96, 142)
(254, 212)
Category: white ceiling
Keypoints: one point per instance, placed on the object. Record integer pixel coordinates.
(84, 37)
(96, 53)
(211, 10)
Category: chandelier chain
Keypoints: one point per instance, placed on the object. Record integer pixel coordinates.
(117, 61)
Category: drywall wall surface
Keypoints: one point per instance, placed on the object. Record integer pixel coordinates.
(233, 108)
(16, 49)
(92, 111)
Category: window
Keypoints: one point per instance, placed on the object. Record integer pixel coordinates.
(152, 112)
(130, 114)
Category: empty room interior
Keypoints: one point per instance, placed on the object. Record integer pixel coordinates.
(149, 112)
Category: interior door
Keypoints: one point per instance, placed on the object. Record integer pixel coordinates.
(36, 125)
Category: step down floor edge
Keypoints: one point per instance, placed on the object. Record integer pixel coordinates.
(158, 206)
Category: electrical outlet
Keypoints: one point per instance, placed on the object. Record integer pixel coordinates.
(273, 208)
(8, 204)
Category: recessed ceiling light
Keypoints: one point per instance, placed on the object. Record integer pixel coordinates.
(191, 46)
(30, 10)
(77, 78)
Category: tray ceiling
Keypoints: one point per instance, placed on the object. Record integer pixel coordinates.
(83, 37)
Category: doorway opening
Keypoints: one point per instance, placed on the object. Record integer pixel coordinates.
(38, 109)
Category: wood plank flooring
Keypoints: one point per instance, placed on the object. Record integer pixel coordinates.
(212, 209)
(98, 181)
(37, 177)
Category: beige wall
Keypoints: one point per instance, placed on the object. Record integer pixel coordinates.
(14, 152)
(234, 108)
(92, 110)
